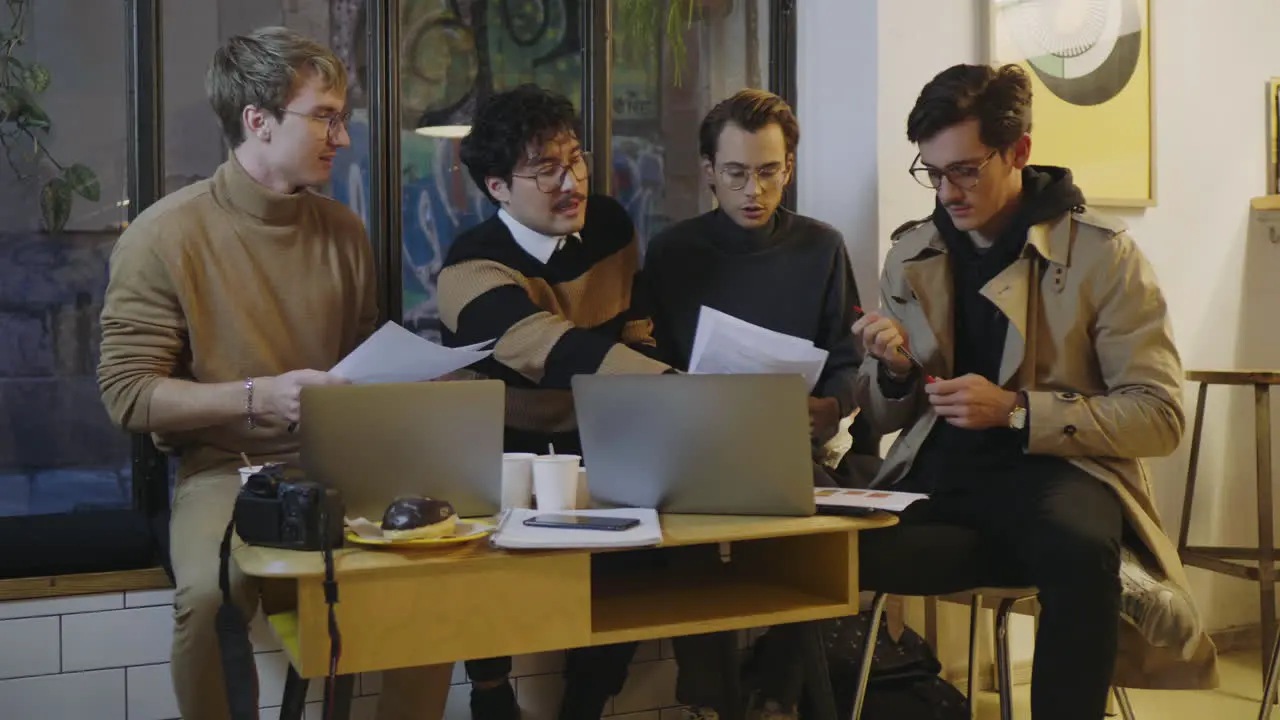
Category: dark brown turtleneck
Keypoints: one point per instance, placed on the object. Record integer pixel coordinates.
(227, 279)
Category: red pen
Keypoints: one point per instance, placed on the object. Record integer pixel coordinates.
(905, 353)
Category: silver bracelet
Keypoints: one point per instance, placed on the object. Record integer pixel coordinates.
(248, 403)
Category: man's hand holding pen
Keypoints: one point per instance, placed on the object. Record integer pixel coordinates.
(886, 340)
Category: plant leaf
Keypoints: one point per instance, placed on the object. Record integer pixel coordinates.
(20, 107)
(37, 78)
(10, 104)
(82, 181)
(33, 116)
(55, 204)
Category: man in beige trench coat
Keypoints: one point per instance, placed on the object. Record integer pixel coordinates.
(1047, 370)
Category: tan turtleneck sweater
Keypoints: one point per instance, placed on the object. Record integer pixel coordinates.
(224, 280)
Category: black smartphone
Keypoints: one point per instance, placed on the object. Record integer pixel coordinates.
(582, 522)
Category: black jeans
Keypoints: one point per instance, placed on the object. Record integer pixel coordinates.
(709, 669)
(592, 676)
(1047, 524)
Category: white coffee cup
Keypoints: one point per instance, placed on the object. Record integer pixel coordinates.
(246, 472)
(555, 482)
(517, 480)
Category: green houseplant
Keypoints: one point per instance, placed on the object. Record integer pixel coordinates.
(25, 127)
(642, 24)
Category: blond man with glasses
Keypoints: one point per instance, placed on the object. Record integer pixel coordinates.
(225, 299)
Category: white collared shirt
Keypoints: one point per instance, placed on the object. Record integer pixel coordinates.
(540, 246)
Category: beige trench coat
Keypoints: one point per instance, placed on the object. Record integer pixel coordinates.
(1090, 341)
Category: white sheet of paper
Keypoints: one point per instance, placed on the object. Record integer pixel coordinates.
(726, 345)
(890, 500)
(513, 534)
(393, 354)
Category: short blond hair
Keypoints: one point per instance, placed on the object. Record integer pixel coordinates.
(263, 69)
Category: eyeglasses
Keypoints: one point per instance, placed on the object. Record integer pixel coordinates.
(549, 177)
(965, 177)
(768, 178)
(334, 121)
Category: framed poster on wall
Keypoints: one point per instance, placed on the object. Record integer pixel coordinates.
(1090, 68)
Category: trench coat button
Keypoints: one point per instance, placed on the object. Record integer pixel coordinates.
(1069, 430)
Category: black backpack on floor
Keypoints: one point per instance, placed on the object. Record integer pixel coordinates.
(904, 681)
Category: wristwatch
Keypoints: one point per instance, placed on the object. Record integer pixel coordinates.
(1018, 415)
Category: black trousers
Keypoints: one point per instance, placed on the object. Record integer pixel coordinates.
(592, 676)
(1045, 523)
(709, 669)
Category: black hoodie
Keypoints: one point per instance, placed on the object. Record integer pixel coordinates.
(953, 456)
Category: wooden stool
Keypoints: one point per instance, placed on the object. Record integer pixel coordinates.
(1008, 598)
(1226, 559)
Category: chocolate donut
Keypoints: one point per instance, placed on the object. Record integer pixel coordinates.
(418, 518)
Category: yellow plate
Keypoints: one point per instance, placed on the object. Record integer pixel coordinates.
(464, 532)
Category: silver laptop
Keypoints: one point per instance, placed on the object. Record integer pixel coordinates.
(714, 444)
(375, 442)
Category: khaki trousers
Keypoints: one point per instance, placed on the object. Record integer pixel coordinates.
(202, 507)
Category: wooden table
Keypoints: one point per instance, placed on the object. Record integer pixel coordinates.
(1227, 560)
(402, 609)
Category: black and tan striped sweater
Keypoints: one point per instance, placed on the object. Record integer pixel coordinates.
(573, 315)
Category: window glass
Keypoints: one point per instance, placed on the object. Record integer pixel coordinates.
(455, 53)
(674, 60)
(62, 206)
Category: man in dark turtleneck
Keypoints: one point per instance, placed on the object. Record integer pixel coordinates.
(753, 260)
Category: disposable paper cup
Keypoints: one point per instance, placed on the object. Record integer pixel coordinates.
(555, 482)
(517, 480)
(245, 472)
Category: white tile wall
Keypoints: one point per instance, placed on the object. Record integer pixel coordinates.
(106, 657)
(69, 696)
(38, 638)
(60, 606)
(116, 638)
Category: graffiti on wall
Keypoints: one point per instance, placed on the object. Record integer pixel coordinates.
(455, 53)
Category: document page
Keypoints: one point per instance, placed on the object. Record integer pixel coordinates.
(393, 354)
(889, 500)
(726, 345)
(513, 534)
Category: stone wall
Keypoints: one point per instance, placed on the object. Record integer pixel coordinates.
(57, 445)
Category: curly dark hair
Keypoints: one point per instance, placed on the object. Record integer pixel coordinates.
(999, 98)
(507, 123)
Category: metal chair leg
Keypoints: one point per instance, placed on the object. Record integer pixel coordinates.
(868, 653)
(1269, 688)
(971, 694)
(1266, 543)
(294, 703)
(1003, 655)
(1122, 699)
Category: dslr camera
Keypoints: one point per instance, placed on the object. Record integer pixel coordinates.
(278, 507)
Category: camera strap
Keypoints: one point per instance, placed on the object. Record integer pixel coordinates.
(330, 586)
(232, 629)
(233, 642)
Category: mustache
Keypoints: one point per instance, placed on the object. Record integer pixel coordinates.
(569, 200)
